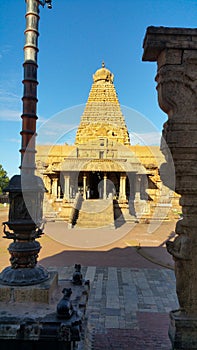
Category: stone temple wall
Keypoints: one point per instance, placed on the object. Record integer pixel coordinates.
(49, 160)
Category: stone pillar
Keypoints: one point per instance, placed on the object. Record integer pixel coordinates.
(26, 190)
(58, 192)
(124, 187)
(54, 187)
(105, 186)
(137, 187)
(175, 50)
(122, 191)
(84, 186)
(66, 187)
(120, 187)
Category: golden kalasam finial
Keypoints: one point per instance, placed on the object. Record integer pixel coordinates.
(103, 74)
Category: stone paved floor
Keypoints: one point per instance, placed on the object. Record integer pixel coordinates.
(128, 308)
(130, 296)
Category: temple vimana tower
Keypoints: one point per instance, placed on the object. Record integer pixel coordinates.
(103, 180)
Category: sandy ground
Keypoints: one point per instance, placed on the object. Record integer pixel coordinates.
(100, 247)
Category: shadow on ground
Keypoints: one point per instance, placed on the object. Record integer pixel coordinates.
(145, 257)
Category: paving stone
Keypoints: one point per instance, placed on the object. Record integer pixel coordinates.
(112, 322)
(99, 286)
(90, 273)
(112, 289)
(112, 312)
(127, 296)
(128, 308)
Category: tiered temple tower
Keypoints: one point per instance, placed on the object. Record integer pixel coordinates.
(102, 115)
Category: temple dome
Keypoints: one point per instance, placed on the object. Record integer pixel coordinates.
(103, 74)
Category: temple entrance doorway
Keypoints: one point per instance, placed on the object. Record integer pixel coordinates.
(95, 185)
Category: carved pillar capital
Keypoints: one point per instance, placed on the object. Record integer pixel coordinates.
(175, 50)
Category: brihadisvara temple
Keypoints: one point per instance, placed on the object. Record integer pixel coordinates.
(102, 180)
(102, 176)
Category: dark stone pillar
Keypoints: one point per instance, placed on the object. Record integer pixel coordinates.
(175, 51)
(26, 190)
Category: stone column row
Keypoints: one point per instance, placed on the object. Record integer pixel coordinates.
(51, 185)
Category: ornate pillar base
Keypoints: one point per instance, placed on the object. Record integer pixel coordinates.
(23, 276)
(183, 331)
(23, 270)
(25, 225)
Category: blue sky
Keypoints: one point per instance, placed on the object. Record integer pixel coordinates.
(75, 36)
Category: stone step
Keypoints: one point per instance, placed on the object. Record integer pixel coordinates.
(52, 216)
(95, 205)
(96, 213)
(93, 224)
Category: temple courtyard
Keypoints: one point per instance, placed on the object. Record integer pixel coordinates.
(132, 279)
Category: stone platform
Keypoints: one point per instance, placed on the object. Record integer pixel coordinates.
(41, 293)
(29, 319)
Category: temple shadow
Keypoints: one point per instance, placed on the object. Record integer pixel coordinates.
(131, 257)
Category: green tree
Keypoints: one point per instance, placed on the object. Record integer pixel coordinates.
(4, 180)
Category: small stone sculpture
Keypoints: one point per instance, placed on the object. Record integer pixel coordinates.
(77, 275)
(64, 307)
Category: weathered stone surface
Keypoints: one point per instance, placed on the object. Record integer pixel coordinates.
(102, 115)
(182, 331)
(177, 95)
(40, 293)
(159, 38)
(33, 323)
(29, 325)
(96, 214)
